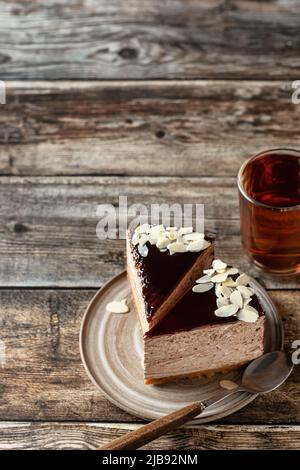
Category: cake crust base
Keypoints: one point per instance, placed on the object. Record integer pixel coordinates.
(204, 373)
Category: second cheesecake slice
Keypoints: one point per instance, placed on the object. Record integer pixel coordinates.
(162, 265)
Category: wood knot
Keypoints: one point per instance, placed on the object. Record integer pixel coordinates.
(20, 228)
(160, 134)
(128, 53)
(54, 319)
(4, 58)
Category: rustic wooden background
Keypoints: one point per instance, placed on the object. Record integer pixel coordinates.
(159, 100)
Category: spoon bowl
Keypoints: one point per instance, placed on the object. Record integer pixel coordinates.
(262, 375)
(267, 372)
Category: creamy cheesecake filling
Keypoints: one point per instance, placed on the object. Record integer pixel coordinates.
(202, 351)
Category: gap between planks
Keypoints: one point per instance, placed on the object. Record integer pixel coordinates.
(29, 435)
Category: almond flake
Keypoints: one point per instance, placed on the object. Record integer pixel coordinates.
(195, 236)
(117, 306)
(198, 288)
(251, 309)
(226, 291)
(162, 242)
(236, 298)
(219, 277)
(228, 384)
(143, 250)
(218, 290)
(198, 245)
(203, 280)
(176, 247)
(246, 293)
(185, 231)
(172, 235)
(153, 239)
(144, 228)
(156, 232)
(157, 228)
(218, 264)
(248, 315)
(232, 271)
(143, 240)
(221, 271)
(135, 239)
(221, 301)
(229, 282)
(210, 272)
(242, 280)
(226, 310)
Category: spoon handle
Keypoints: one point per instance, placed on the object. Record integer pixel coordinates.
(221, 396)
(155, 429)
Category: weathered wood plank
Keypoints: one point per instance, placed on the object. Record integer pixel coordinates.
(149, 39)
(42, 377)
(44, 220)
(89, 436)
(201, 128)
(42, 371)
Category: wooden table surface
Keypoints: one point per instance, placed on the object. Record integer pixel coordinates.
(159, 101)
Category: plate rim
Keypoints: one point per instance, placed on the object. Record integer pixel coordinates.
(197, 420)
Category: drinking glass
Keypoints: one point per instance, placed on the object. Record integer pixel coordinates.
(269, 193)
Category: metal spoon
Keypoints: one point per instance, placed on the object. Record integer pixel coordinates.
(261, 376)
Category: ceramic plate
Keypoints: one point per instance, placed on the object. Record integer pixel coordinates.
(112, 351)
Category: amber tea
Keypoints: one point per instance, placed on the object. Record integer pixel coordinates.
(269, 185)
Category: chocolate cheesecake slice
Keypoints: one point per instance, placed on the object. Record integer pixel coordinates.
(162, 266)
(192, 341)
(217, 326)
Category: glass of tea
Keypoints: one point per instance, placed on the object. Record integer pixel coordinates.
(269, 191)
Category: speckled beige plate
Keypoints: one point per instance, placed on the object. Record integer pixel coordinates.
(111, 349)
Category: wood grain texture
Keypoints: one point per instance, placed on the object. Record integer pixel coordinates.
(174, 141)
(149, 39)
(87, 436)
(190, 128)
(42, 377)
(143, 435)
(48, 226)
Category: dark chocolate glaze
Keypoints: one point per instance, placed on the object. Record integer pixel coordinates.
(195, 310)
(159, 274)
